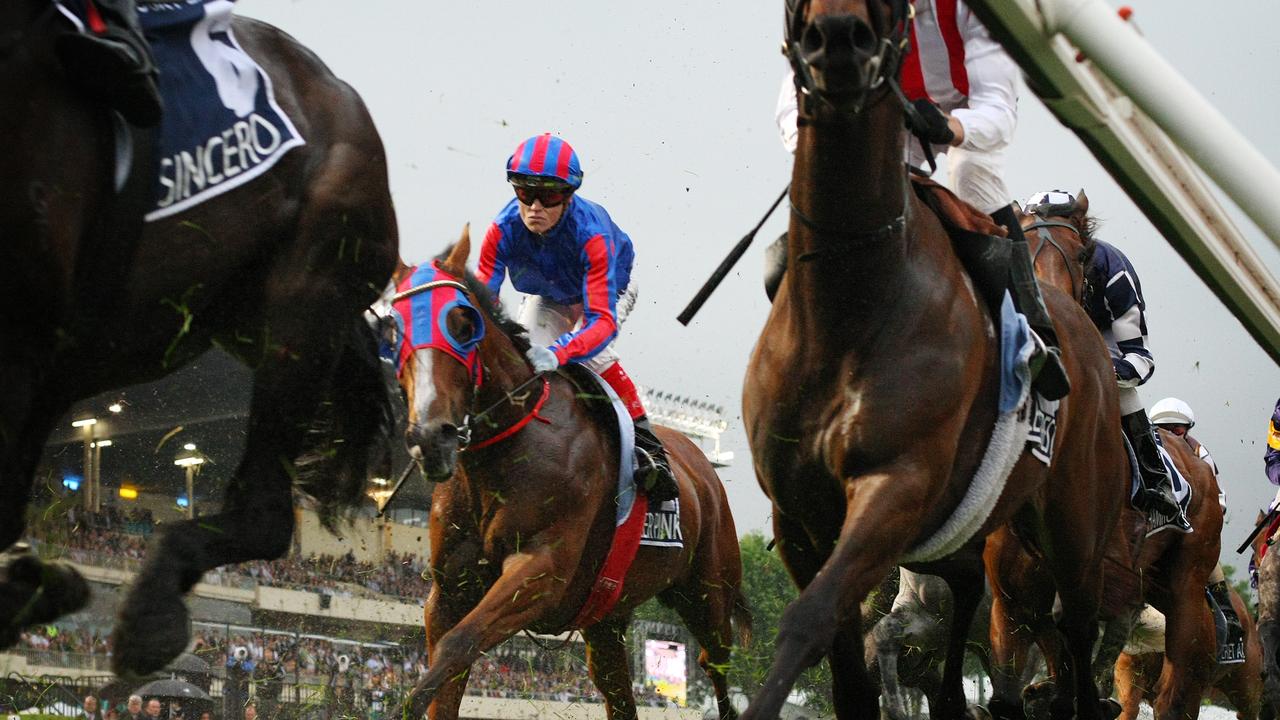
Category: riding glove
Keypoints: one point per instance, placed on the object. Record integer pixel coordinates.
(542, 359)
(930, 123)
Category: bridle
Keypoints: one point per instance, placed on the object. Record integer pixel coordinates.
(1042, 228)
(513, 396)
(880, 67)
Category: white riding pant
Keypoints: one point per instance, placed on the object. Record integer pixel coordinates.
(547, 320)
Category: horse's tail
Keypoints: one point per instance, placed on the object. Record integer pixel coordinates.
(347, 438)
(742, 618)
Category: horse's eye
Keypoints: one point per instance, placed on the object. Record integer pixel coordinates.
(461, 327)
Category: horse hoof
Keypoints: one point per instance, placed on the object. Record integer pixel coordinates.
(1110, 708)
(153, 629)
(977, 712)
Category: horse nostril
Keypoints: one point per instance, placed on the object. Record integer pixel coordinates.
(812, 40)
(448, 431)
(863, 37)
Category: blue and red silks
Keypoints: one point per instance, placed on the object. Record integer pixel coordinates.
(423, 319)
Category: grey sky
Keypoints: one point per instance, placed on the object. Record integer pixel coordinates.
(670, 106)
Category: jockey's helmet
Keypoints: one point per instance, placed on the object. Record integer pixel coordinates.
(1050, 203)
(1172, 411)
(544, 161)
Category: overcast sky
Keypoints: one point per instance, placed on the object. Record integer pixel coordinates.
(670, 107)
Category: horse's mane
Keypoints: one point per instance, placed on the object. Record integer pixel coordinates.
(518, 334)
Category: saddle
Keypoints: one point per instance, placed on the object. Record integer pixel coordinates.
(979, 242)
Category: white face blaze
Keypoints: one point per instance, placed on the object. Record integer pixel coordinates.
(424, 387)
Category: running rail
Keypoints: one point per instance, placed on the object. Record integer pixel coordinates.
(1145, 124)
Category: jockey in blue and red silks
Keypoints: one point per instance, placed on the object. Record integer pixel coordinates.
(574, 265)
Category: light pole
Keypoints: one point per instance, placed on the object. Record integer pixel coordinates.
(87, 422)
(190, 459)
(96, 482)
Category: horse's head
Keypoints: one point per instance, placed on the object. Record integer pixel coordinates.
(1060, 222)
(432, 325)
(842, 50)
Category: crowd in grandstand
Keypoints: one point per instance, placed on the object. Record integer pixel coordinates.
(115, 535)
(380, 673)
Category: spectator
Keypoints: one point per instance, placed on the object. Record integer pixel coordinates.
(89, 709)
(134, 708)
(153, 709)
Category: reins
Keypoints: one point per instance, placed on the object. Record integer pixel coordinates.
(464, 433)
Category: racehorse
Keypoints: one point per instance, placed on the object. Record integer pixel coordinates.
(1168, 570)
(521, 530)
(872, 393)
(1138, 676)
(276, 272)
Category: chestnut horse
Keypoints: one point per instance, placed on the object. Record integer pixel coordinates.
(521, 530)
(872, 393)
(276, 272)
(1139, 677)
(1168, 570)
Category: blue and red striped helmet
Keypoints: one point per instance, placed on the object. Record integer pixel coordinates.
(544, 160)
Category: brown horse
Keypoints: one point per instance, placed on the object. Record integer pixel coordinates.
(872, 393)
(1139, 677)
(1168, 570)
(276, 272)
(521, 530)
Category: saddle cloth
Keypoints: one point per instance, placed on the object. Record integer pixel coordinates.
(1024, 422)
(221, 126)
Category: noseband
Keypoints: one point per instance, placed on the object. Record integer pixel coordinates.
(1042, 228)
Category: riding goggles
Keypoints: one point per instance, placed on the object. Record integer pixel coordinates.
(549, 197)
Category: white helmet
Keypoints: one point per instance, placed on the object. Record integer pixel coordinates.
(1172, 411)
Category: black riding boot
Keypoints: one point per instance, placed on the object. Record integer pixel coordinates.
(653, 471)
(1232, 647)
(1051, 379)
(115, 66)
(1156, 496)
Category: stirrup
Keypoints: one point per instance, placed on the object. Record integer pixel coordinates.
(1048, 376)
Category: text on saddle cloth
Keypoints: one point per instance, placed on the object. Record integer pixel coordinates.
(222, 126)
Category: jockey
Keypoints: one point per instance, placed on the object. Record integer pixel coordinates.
(964, 90)
(574, 264)
(1272, 456)
(1119, 312)
(1177, 417)
(109, 57)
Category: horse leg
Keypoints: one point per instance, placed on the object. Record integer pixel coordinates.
(708, 615)
(1190, 651)
(529, 587)
(256, 518)
(888, 636)
(610, 667)
(1011, 639)
(877, 504)
(966, 592)
(441, 615)
(1129, 684)
(31, 591)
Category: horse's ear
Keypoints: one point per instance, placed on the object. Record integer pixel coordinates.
(457, 260)
(1082, 202)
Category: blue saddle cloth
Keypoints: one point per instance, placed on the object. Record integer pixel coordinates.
(222, 126)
